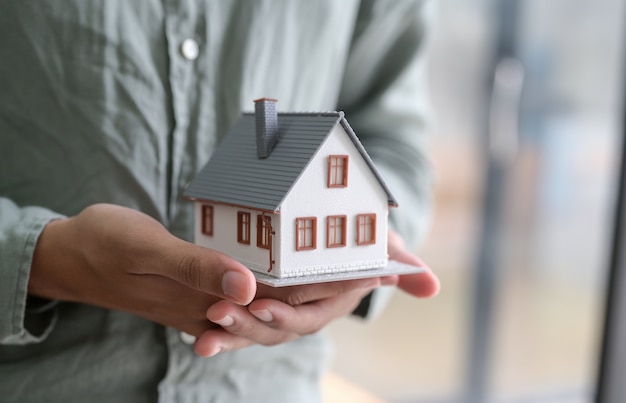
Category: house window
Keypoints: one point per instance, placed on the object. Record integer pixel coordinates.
(243, 227)
(207, 220)
(263, 231)
(306, 233)
(366, 229)
(337, 171)
(336, 231)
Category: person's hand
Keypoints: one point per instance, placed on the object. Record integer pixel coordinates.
(422, 285)
(280, 315)
(118, 258)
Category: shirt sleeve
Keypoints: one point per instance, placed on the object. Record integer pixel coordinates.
(23, 319)
(385, 94)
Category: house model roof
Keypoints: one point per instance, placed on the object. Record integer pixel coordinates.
(235, 175)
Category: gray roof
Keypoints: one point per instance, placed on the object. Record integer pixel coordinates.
(234, 175)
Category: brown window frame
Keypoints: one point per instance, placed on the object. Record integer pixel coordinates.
(331, 228)
(243, 227)
(207, 220)
(313, 222)
(263, 231)
(332, 171)
(359, 224)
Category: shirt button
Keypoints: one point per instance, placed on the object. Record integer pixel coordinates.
(190, 49)
(187, 338)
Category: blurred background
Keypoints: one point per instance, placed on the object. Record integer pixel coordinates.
(526, 147)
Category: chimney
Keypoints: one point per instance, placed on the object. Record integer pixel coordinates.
(266, 121)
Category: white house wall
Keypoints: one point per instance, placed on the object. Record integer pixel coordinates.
(224, 237)
(311, 197)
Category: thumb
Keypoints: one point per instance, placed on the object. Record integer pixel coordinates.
(424, 284)
(208, 271)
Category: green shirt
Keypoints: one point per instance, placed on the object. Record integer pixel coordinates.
(123, 102)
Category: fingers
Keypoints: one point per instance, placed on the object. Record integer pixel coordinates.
(397, 251)
(231, 318)
(215, 341)
(302, 294)
(422, 285)
(307, 318)
(271, 322)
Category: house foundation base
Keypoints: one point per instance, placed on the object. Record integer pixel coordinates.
(393, 267)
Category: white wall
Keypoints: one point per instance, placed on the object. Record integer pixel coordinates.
(310, 196)
(224, 237)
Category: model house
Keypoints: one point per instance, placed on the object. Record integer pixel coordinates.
(292, 195)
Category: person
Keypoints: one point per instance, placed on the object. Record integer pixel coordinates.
(107, 110)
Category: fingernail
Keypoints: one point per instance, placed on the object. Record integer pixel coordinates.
(225, 321)
(187, 338)
(214, 353)
(264, 315)
(234, 285)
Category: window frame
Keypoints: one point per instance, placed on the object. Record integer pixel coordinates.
(313, 228)
(330, 229)
(243, 227)
(359, 240)
(332, 171)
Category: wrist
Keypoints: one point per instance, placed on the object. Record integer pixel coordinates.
(48, 256)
